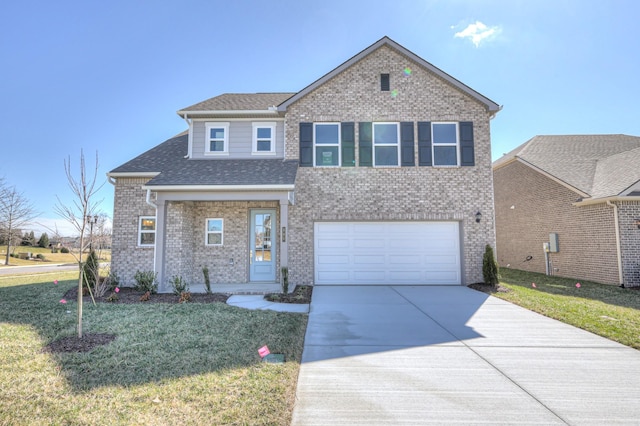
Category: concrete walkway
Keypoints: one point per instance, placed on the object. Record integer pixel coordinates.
(440, 355)
(257, 301)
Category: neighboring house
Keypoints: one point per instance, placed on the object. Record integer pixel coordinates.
(372, 174)
(585, 189)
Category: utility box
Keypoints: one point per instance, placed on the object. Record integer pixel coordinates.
(553, 243)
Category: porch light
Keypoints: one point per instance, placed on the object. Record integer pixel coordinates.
(638, 223)
(478, 217)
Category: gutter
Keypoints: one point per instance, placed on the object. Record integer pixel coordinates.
(230, 112)
(219, 187)
(618, 251)
(607, 200)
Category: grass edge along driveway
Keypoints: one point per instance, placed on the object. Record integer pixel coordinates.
(605, 310)
(170, 364)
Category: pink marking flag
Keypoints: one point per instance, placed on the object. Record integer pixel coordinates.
(55, 281)
(263, 351)
(63, 301)
(578, 285)
(533, 285)
(117, 290)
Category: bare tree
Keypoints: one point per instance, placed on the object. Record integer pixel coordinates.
(83, 188)
(15, 213)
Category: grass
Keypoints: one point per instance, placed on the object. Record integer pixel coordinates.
(170, 364)
(105, 256)
(606, 310)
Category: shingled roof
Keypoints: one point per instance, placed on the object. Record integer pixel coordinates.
(167, 163)
(598, 165)
(239, 102)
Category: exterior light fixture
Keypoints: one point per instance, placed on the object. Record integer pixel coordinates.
(638, 223)
(478, 217)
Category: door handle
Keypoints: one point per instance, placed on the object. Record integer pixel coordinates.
(250, 257)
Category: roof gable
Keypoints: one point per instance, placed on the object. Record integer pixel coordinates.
(386, 41)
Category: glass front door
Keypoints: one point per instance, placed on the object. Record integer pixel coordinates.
(262, 246)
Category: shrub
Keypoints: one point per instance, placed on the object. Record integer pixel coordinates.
(185, 297)
(40, 256)
(91, 270)
(285, 279)
(179, 285)
(207, 282)
(145, 297)
(146, 281)
(64, 250)
(489, 267)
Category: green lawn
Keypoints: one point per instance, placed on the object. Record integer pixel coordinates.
(606, 310)
(170, 364)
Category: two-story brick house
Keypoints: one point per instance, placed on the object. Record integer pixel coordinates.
(379, 172)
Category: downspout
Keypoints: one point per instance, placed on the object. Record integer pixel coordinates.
(152, 204)
(190, 137)
(618, 251)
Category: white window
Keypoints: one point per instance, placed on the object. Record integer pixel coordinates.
(217, 139)
(214, 232)
(264, 138)
(445, 144)
(147, 231)
(386, 144)
(326, 144)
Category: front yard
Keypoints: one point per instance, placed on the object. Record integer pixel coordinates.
(606, 310)
(193, 363)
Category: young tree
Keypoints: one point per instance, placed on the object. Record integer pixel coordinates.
(83, 188)
(44, 240)
(15, 212)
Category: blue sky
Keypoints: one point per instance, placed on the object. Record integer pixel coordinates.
(109, 76)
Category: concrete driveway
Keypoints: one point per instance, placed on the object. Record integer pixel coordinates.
(422, 355)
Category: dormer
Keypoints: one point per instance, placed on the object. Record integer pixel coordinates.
(236, 126)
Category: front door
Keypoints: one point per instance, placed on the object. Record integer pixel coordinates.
(262, 246)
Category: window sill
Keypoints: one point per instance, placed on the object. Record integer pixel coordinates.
(216, 154)
(265, 153)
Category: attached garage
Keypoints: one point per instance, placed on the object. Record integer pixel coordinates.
(398, 253)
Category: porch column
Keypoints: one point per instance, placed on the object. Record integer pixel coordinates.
(159, 249)
(284, 232)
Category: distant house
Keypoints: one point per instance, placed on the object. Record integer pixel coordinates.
(379, 172)
(585, 192)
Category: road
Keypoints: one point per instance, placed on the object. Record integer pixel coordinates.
(23, 270)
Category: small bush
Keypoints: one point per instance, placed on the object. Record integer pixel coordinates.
(489, 267)
(179, 285)
(64, 250)
(112, 298)
(112, 281)
(91, 270)
(184, 297)
(146, 281)
(40, 256)
(285, 279)
(207, 281)
(145, 297)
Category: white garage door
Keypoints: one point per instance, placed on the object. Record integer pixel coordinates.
(387, 253)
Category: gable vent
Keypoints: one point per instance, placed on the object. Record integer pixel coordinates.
(384, 82)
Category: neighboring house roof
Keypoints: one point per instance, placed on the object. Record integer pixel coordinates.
(386, 41)
(599, 166)
(239, 102)
(169, 167)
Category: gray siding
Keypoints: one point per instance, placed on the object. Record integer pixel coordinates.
(240, 140)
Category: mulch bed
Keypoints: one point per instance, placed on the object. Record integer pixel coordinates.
(489, 289)
(302, 294)
(87, 343)
(128, 295)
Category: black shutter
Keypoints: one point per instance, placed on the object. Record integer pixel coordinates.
(467, 152)
(424, 143)
(366, 144)
(306, 144)
(348, 144)
(406, 144)
(385, 84)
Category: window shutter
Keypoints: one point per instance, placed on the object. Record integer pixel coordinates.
(385, 84)
(348, 144)
(467, 152)
(406, 144)
(424, 143)
(366, 144)
(306, 144)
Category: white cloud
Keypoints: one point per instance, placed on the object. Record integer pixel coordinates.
(478, 33)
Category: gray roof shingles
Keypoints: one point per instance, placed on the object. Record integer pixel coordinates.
(240, 102)
(594, 164)
(169, 160)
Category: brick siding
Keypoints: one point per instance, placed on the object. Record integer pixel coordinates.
(406, 193)
(586, 234)
(628, 214)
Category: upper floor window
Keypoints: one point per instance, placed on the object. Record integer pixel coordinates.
(147, 231)
(386, 146)
(217, 138)
(264, 138)
(326, 144)
(445, 144)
